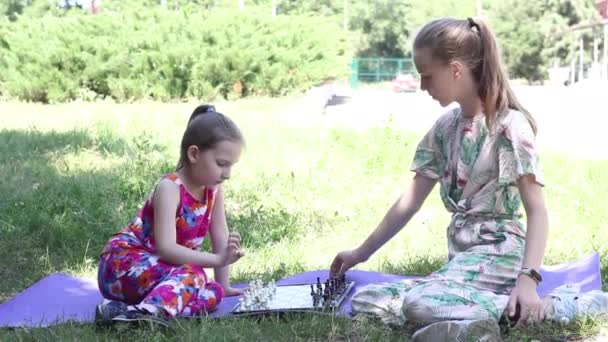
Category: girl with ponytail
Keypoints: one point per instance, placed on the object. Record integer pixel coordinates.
(153, 269)
(484, 157)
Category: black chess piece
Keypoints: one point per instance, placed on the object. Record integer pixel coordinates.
(339, 283)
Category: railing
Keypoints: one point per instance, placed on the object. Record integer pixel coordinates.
(379, 69)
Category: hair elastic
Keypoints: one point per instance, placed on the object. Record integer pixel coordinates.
(473, 24)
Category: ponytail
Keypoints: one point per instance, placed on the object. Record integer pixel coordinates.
(494, 88)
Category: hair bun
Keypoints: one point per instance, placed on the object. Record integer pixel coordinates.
(202, 109)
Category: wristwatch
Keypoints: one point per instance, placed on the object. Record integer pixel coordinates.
(532, 273)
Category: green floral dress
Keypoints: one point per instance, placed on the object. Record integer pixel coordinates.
(477, 171)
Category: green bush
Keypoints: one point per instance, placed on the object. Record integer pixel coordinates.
(166, 54)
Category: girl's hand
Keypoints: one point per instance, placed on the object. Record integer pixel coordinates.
(530, 305)
(231, 291)
(233, 251)
(343, 262)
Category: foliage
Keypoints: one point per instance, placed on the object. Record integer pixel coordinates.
(530, 46)
(50, 54)
(164, 54)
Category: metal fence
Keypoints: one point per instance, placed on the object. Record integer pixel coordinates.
(379, 69)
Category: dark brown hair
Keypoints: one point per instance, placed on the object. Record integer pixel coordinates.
(471, 42)
(206, 128)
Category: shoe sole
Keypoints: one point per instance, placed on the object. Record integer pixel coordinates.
(99, 319)
(154, 320)
(481, 331)
(476, 331)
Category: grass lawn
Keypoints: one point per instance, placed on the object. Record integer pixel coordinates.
(73, 174)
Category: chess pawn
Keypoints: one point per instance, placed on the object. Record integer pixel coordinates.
(247, 303)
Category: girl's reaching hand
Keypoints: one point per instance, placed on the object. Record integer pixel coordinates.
(343, 262)
(525, 297)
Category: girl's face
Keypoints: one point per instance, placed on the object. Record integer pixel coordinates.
(440, 80)
(213, 166)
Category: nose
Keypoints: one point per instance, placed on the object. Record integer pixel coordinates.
(226, 173)
(423, 86)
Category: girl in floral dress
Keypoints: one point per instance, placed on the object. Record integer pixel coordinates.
(153, 268)
(484, 158)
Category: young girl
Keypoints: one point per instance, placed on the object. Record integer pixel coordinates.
(153, 269)
(483, 155)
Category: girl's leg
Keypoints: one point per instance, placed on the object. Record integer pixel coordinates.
(450, 311)
(125, 276)
(208, 299)
(443, 300)
(184, 292)
(128, 275)
(383, 301)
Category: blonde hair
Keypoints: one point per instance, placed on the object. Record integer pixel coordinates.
(471, 42)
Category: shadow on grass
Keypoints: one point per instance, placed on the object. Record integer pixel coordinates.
(53, 218)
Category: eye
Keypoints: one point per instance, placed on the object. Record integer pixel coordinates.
(222, 163)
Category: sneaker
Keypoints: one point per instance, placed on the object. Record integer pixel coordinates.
(486, 330)
(569, 303)
(142, 316)
(105, 312)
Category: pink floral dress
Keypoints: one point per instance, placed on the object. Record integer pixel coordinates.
(130, 271)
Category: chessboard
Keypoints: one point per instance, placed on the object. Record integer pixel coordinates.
(311, 297)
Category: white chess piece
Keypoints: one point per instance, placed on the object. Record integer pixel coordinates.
(258, 295)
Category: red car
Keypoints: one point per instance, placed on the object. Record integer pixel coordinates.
(405, 83)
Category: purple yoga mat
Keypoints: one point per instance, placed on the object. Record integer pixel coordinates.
(58, 297)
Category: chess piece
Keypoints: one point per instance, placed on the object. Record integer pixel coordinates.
(258, 295)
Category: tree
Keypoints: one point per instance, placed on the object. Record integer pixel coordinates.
(529, 45)
(379, 28)
(12, 8)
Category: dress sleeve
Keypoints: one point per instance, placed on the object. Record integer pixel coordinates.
(517, 151)
(428, 158)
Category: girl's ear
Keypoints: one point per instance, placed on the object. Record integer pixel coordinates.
(192, 153)
(457, 69)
